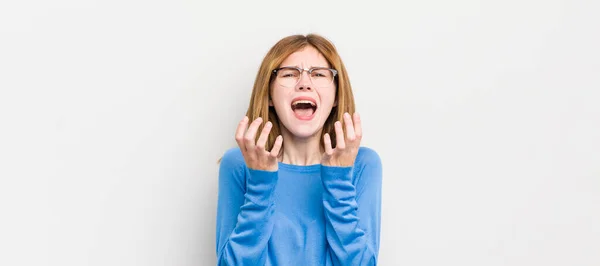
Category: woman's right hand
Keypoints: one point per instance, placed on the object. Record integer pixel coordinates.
(254, 152)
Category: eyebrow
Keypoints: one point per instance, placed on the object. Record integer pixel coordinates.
(309, 67)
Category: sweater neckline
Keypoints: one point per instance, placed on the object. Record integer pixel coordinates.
(300, 168)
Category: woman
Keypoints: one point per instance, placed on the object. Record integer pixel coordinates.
(299, 189)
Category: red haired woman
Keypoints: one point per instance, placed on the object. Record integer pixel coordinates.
(299, 189)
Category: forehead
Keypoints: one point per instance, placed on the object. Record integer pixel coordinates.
(306, 57)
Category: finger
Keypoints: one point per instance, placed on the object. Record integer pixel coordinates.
(264, 135)
(357, 126)
(327, 144)
(250, 137)
(339, 135)
(276, 147)
(349, 127)
(239, 132)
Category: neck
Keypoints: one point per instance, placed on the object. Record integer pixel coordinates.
(301, 151)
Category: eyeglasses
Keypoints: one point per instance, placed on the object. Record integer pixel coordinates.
(319, 76)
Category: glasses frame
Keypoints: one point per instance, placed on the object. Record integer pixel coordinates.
(309, 70)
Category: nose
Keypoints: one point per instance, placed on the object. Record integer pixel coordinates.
(305, 83)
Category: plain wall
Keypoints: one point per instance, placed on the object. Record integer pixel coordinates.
(486, 115)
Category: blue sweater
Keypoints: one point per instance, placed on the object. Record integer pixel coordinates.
(299, 215)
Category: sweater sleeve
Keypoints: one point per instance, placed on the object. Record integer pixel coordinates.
(244, 211)
(352, 207)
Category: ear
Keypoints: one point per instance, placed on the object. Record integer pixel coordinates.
(270, 102)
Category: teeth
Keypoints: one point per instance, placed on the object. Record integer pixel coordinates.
(303, 101)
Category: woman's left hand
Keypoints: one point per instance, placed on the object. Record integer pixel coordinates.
(346, 148)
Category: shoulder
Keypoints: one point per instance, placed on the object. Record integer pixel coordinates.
(232, 159)
(368, 156)
(232, 170)
(368, 172)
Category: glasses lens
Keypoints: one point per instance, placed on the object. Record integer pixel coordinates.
(288, 77)
(321, 77)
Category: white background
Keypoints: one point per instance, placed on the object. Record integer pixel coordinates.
(486, 115)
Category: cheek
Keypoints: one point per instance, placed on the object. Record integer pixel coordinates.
(277, 96)
(327, 96)
(274, 93)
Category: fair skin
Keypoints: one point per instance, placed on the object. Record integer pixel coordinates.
(301, 135)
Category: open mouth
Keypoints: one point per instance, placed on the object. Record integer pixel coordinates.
(304, 109)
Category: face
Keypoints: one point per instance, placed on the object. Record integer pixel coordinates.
(303, 109)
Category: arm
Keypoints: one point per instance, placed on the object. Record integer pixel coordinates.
(353, 209)
(244, 212)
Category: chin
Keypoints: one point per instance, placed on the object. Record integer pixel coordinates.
(304, 132)
(303, 129)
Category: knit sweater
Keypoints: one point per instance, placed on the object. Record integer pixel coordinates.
(299, 215)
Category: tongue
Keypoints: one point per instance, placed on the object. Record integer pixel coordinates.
(303, 112)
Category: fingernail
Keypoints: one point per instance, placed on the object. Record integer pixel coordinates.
(268, 124)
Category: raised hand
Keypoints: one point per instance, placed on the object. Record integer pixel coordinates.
(347, 146)
(254, 152)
